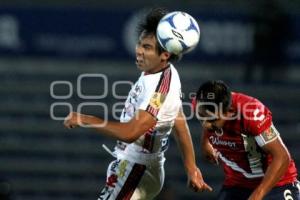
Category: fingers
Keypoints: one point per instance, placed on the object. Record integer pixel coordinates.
(213, 157)
(197, 183)
(216, 156)
(207, 187)
(201, 187)
(71, 121)
(68, 125)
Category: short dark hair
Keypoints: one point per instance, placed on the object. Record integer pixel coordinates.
(149, 25)
(216, 92)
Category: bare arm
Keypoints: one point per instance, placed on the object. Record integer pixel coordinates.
(127, 132)
(277, 168)
(184, 141)
(207, 150)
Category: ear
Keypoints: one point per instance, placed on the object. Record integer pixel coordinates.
(231, 111)
(165, 56)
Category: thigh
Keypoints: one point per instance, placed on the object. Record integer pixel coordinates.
(234, 193)
(122, 179)
(286, 192)
(150, 184)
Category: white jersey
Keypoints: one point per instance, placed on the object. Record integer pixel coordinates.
(138, 171)
(160, 95)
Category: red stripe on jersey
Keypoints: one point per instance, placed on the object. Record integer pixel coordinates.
(132, 182)
(162, 88)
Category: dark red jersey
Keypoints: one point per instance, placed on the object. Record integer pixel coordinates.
(244, 162)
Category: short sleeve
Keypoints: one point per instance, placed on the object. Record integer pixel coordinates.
(267, 136)
(257, 117)
(156, 93)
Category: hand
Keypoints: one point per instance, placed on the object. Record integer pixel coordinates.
(72, 120)
(257, 194)
(210, 154)
(196, 182)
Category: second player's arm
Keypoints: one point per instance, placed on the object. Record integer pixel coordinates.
(278, 166)
(208, 152)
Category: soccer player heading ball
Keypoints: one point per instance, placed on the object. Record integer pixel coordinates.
(152, 109)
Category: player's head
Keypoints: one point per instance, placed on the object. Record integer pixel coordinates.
(213, 104)
(147, 39)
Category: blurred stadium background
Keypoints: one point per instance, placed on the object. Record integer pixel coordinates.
(46, 41)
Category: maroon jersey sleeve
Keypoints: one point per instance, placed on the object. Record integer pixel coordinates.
(257, 117)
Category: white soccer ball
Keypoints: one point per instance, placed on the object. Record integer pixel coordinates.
(178, 32)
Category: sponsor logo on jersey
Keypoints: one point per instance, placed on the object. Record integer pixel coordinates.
(112, 180)
(218, 141)
(129, 109)
(134, 93)
(258, 116)
(269, 134)
(115, 165)
(157, 100)
(122, 168)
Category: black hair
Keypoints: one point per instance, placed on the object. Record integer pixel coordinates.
(214, 92)
(149, 24)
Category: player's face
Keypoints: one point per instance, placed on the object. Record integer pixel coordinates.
(147, 57)
(212, 121)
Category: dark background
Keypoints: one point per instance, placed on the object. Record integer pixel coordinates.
(49, 47)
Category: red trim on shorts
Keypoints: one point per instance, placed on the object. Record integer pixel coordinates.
(132, 182)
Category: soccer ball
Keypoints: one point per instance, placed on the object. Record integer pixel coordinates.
(178, 32)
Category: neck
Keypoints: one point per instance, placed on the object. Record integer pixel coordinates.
(158, 69)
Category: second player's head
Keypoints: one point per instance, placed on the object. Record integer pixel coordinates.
(213, 104)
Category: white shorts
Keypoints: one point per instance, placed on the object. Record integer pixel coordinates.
(127, 180)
